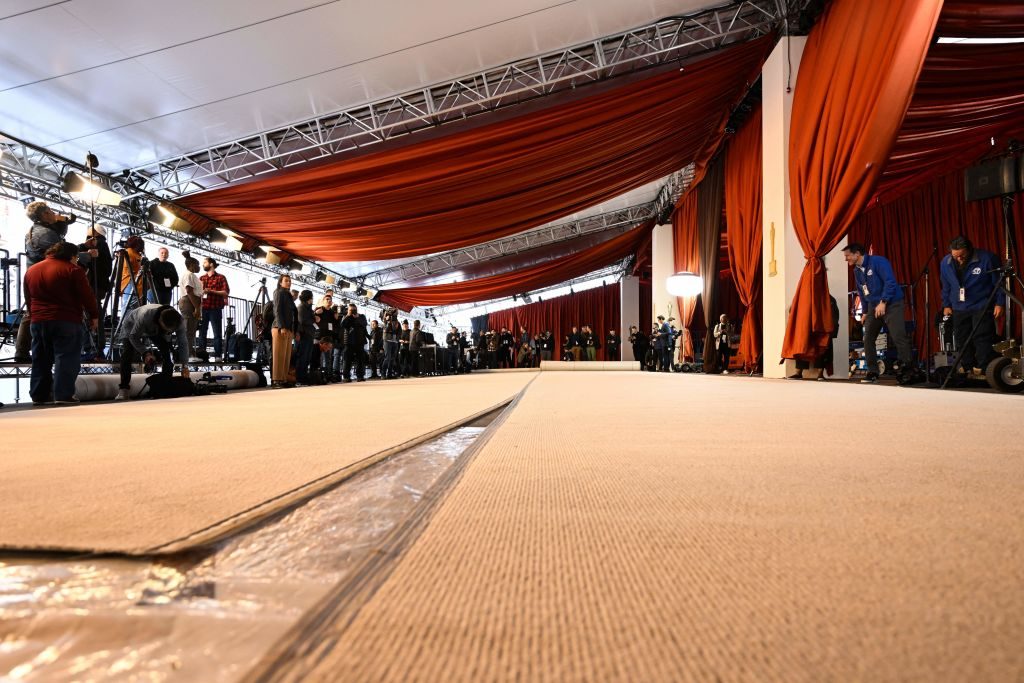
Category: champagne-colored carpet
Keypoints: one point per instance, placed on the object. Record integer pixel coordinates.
(160, 476)
(647, 527)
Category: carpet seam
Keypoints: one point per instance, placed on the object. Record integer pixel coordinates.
(347, 599)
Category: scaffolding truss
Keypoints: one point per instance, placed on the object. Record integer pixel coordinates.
(673, 39)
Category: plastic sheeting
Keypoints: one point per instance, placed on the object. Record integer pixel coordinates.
(205, 616)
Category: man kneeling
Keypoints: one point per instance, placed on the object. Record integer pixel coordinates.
(157, 323)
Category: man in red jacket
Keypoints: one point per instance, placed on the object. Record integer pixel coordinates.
(57, 292)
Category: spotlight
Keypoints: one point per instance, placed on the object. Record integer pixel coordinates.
(321, 276)
(685, 283)
(360, 291)
(230, 242)
(526, 298)
(158, 215)
(86, 190)
(273, 258)
(296, 265)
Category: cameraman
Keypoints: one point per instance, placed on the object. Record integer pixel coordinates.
(640, 343)
(452, 341)
(392, 336)
(157, 323)
(376, 349)
(353, 334)
(48, 228)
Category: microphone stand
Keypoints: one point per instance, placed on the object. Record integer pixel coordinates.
(924, 275)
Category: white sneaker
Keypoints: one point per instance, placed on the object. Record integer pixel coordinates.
(194, 359)
(122, 395)
(725, 372)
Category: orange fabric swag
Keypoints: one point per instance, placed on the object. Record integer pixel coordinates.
(743, 190)
(494, 180)
(522, 280)
(855, 83)
(686, 253)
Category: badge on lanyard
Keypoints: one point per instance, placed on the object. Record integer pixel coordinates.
(963, 294)
(865, 288)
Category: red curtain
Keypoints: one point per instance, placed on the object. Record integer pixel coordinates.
(599, 307)
(494, 180)
(522, 280)
(743, 230)
(907, 230)
(856, 80)
(686, 247)
(982, 19)
(966, 95)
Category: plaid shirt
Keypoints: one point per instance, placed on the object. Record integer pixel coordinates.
(218, 282)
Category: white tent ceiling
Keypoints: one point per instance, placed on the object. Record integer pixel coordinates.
(136, 81)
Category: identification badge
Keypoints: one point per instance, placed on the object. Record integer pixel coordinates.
(330, 327)
(167, 282)
(865, 288)
(963, 294)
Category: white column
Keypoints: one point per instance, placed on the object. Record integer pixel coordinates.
(783, 256)
(663, 265)
(629, 307)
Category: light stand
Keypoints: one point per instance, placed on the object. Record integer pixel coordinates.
(924, 275)
(91, 162)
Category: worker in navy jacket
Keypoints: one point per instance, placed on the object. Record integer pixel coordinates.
(882, 299)
(968, 278)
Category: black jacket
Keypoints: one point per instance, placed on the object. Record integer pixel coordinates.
(353, 331)
(163, 272)
(328, 325)
(377, 338)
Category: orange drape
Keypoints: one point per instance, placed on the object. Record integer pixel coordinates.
(521, 280)
(598, 307)
(856, 79)
(743, 206)
(966, 95)
(686, 248)
(494, 180)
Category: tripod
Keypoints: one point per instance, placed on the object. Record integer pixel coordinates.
(925, 275)
(141, 284)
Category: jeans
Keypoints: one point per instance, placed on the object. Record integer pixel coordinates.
(129, 355)
(354, 353)
(303, 355)
(56, 359)
(214, 317)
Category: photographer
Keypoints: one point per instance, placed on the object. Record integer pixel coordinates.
(546, 345)
(416, 342)
(156, 323)
(612, 343)
(506, 344)
(48, 228)
(392, 336)
(640, 343)
(404, 362)
(304, 337)
(723, 339)
(101, 264)
(663, 345)
(452, 342)
(132, 279)
(353, 334)
(574, 344)
(376, 348)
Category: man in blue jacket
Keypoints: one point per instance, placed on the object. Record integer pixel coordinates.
(968, 277)
(882, 299)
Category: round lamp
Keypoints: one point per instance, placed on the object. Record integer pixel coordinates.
(685, 284)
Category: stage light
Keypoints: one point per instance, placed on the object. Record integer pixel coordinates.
(360, 291)
(273, 258)
(160, 216)
(684, 284)
(230, 241)
(89, 191)
(296, 266)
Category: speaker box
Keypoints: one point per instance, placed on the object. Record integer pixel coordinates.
(428, 360)
(993, 178)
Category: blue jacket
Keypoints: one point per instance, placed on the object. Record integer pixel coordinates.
(876, 274)
(978, 281)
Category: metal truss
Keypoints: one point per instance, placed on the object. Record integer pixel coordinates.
(613, 272)
(669, 40)
(29, 173)
(449, 261)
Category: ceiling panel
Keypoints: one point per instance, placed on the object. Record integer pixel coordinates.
(317, 57)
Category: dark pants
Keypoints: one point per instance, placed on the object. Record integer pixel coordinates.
(897, 328)
(666, 360)
(979, 353)
(303, 356)
(56, 359)
(390, 366)
(404, 362)
(129, 355)
(214, 317)
(354, 353)
(724, 352)
(453, 361)
(375, 358)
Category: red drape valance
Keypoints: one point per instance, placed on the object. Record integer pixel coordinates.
(686, 252)
(982, 19)
(494, 180)
(855, 83)
(966, 95)
(743, 189)
(521, 280)
(599, 307)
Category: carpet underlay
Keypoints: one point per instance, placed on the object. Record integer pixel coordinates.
(162, 476)
(644, 527)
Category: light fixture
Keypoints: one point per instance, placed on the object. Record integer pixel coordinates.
(296, 265)
(158, 215)
(684, 283)
(219, 236)
(321, 276)
(89, 190)
(273, 258)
